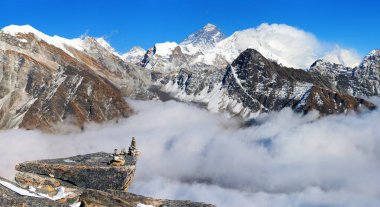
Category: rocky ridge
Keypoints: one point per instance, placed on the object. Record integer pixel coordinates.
(360, 81)
(253, 84)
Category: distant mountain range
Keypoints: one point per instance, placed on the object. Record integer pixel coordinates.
(46, 80)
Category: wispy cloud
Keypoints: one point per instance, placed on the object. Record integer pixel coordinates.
(188, 153)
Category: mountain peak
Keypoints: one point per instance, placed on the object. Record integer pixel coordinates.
(205, 38)
(135, 49)
(209, 27)
(325, 67)
(24, 29)
(55, 40)
(373, 56)
(15, 29)
(134, 55)
(322, 63)
(375, 52)
(251, 54)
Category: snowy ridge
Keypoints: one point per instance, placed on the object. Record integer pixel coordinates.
(57, 41)
(107, 46)
(134, 55)
(328, 68)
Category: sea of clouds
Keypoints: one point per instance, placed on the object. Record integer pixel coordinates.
(286, 159)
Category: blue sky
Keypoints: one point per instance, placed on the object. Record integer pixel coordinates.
(353, 24)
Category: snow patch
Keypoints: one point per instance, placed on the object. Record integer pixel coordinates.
(68, 160)
(77, 204)
(165, 49)
(18, 190)
(143, 205)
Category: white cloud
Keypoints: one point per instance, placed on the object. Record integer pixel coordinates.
(188, 153)
(289, 46)
(347, 57)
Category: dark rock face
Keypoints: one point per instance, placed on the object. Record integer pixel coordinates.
(263, 85)
(85, 171)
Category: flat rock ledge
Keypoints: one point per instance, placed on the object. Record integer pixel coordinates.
(85, 171)
(98, 179)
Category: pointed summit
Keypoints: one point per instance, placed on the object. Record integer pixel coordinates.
(371, 59)
(205, 38)
(209, 27)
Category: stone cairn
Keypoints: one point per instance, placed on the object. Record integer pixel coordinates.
(119, 158)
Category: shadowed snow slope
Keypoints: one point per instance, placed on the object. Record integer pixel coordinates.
(286, 159)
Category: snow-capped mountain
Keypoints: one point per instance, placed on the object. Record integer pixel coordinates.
(360, 81)
(46, 79)
(211, 47)
(205, 38)
(253, 84)
(135, 55)
(197, 48)
(330, 69)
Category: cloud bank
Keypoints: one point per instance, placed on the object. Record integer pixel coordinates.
(187, 153)
(292, 47)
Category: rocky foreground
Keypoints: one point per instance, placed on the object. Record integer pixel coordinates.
(98, 179)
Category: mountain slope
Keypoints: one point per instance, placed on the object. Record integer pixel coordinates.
(43, 83)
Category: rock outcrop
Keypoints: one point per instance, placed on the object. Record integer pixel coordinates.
(83, 180)
(85, 171)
